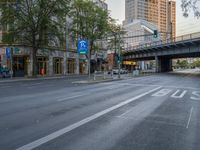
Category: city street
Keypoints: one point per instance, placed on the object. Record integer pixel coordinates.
(156, 112)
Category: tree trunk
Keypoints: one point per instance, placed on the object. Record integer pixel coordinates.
(34, 64)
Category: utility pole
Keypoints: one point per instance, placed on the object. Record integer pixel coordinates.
(11, 62)
(67, 44)
(89, 75)
(119, 57)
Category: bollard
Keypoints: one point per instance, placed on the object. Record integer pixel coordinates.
(94, 75)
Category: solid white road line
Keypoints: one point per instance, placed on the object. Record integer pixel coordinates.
(67, 98)
(153, 85)
(188, 123)
(67, 129)
(7, 86)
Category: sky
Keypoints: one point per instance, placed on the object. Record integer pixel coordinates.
(183, 25)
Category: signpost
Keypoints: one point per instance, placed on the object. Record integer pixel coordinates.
(9, 56)
(8, 52)
(83, 49)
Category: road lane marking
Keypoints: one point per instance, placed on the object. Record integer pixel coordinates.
(67, 98)
(6, 86)
(126, 112)
(114, 87)
(188, 123)
(197, 94)
(152, 85)
(179, 96)
(67, 129)
(161, 93)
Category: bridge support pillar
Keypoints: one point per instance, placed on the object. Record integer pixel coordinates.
(163, 64)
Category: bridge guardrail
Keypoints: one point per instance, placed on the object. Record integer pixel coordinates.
(168, 41)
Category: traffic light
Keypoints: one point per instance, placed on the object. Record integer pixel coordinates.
(155, 33)
(118, 59)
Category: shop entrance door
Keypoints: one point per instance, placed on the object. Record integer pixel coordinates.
(71, 66)
(58, 66)
(19, 66)
(42, 65)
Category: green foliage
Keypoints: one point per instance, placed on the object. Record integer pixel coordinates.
(34, 22)
(89, 21)
(182, 64)
(196, 63)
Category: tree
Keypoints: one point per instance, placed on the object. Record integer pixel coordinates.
(191, 5)
(182, 64)
(89, 21)
(34, 23)
(196, 63)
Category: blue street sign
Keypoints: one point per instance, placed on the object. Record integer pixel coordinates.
(8, 52)
(82, 46)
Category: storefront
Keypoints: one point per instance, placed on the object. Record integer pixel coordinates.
(71, 65)
(20, 67)
(1, 61)
(129, 65)
(58, 66)
(42, 65)
(82, 66)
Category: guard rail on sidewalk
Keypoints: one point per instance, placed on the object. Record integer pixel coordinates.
(102, 75)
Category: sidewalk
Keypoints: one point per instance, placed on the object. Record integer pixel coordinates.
(17, 79)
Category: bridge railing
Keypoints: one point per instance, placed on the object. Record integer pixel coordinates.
(168, 41)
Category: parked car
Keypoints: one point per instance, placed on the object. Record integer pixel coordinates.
(115, 71)
(123, 71)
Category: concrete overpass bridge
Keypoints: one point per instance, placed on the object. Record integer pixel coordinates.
(164, 51)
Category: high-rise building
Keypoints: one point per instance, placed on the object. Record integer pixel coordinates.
(160, 12)
(101, 4)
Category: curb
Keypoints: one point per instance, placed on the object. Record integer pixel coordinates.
(93, 82)
(39, 79)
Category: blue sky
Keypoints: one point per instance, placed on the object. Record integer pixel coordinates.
(184, 25)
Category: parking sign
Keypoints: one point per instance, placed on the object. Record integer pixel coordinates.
(82, 46)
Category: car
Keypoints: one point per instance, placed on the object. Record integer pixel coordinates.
(123, 71)
(115, 71)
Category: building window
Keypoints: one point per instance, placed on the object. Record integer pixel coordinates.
(58, 65)
(42, 65)
(71, 66)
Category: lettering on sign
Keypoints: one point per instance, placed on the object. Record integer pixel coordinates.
(196, 95)
(162, 92)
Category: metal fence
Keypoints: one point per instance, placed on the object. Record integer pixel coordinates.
(182, 38)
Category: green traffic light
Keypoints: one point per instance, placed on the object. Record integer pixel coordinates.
(155, 33)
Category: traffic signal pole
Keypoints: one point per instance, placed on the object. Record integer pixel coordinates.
(119, 56)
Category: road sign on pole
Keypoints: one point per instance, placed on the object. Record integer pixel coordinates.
(82, 47)
(8, 52)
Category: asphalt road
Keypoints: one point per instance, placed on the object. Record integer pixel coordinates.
(158, 112)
